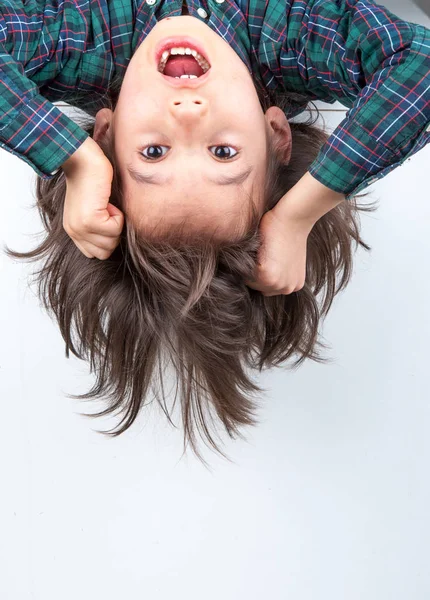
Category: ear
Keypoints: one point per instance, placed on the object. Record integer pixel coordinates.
(102, 123)
(280, 129)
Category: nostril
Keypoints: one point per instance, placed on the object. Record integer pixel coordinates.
(195, 102)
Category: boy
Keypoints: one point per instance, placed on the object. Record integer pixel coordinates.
(353, 51)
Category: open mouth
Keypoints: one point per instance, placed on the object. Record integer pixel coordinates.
(182, 62)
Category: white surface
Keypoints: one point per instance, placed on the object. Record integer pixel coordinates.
(329, 498)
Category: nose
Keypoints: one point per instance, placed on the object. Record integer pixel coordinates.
(186, 111)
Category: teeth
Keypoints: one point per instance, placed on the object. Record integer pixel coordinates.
(187, 77)
(180, 50)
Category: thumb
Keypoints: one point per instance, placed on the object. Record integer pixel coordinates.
(116, 214)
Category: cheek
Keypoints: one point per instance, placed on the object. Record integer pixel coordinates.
(143, 102)
(135, 112)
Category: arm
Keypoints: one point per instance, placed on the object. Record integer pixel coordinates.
(364, 56)
(89, 156)
(31, 127)
(307, 202)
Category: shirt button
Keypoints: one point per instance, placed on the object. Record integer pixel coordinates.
(151, 2)
(202, 13)
(219, 1)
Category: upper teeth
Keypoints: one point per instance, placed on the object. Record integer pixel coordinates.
(180, 50)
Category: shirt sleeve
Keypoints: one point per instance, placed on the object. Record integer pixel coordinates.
(31, 127)
(359, 53)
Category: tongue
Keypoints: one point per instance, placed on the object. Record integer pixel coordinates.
(178, 65)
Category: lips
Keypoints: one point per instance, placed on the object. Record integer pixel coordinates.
(178, 41)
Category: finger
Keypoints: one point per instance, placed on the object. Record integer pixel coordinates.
(112, 220)
(253, 285)
(92, 251)
(116, 213)
(104, 230)
(100, 253)
(270, 294)
(100, 241)
(257, 283)
(281, 292)
(85, 252)
(259, 288)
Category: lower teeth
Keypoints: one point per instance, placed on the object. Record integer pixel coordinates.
(186, 77)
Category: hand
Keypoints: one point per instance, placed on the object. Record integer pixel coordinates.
(284, 230)
(89, 219)
(281, 266)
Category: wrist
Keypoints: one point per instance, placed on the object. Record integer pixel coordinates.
(88, 155)
(308, 201)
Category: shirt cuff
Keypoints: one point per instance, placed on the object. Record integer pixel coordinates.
(41, 135)
(351, 160)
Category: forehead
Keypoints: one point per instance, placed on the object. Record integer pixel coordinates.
(200, 208)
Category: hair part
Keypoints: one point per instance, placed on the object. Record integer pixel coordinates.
(180, 300)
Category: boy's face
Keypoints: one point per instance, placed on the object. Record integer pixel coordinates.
(190, 137)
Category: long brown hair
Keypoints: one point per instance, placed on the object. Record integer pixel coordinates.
(183, 297)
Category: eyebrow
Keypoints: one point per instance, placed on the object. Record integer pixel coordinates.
(157, 180)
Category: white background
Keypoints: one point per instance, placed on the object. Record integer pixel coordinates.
(327, 500)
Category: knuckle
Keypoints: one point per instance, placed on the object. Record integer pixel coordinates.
(103, 254)
(288, 289)
(71, 228)
(85, 252)
(85, 222)
(269, 277)
(66, 227)
(276, 283)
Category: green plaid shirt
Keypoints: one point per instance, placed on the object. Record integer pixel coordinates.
(355, 52)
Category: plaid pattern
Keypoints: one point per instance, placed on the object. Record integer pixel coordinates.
(353, 51)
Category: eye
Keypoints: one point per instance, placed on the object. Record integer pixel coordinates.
(151, 155)
(223, 149)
